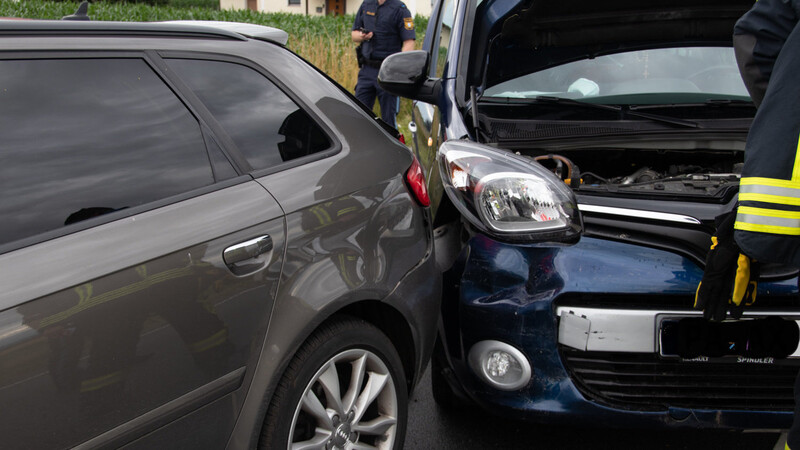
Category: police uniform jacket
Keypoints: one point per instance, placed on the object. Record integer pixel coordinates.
(767, 44)
(391, 24)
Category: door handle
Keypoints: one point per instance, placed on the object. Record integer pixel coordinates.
(247, 250)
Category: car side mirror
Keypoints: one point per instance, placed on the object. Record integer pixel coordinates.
(405, 74)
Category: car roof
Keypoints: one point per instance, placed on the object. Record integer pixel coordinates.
(180, 28)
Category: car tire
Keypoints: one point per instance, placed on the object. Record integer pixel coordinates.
(344, 385)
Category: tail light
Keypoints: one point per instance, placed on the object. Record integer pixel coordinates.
(416, 182)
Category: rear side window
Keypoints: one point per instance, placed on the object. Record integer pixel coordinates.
(85, 137)
(266, 125)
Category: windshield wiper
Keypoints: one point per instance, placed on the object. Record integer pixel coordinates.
(622, 111)
(714, 103)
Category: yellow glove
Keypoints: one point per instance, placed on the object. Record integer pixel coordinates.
(730, 277)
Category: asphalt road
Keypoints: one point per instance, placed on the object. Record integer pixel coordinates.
(431, 428)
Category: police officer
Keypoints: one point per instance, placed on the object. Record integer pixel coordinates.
(766, 227)
(382, 27)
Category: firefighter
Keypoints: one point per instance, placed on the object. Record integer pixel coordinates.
(765, 227)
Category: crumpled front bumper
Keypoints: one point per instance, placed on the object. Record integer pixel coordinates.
(541, 300)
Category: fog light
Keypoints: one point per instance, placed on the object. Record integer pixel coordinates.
(500, 365)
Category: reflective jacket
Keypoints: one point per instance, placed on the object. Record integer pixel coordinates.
(767, 44)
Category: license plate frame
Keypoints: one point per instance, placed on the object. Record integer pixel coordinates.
(726, 340)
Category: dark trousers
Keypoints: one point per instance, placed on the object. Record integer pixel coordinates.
(367, 89)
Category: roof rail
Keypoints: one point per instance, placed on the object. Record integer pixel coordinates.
(250, 30)
(185, 28)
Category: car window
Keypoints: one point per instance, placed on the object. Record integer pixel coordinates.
(85, 137)
(267, 126)
(693, 72)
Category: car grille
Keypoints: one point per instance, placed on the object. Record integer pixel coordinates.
(522, 130)
(648, 382)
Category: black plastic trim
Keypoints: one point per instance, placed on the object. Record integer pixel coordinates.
(646, 382)
(164, 414)
(229, 146)
(199, 110)
(121, 214)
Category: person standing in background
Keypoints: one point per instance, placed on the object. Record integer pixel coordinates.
(381, 28)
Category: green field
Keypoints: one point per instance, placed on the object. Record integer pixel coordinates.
(322, 40)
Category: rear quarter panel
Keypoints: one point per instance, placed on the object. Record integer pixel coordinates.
(354, 233)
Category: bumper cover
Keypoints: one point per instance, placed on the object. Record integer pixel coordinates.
(516, 294)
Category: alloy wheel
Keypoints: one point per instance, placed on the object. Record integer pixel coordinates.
(350, 403)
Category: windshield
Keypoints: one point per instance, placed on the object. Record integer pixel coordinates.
(658, 76)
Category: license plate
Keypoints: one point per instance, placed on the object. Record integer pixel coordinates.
(695, 337)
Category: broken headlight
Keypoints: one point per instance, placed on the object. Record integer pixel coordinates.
(508, 196)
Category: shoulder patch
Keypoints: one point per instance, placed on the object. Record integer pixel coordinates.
(409, 23)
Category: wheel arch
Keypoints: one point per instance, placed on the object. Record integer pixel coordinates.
(383, 317)
(393, 324)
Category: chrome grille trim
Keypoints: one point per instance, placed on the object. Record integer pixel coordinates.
(631, 331)
(639, 213)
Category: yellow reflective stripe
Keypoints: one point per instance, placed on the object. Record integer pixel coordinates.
(796, 169)
(775, 182)
(769, 190)
(750, 210)
(773, 229)
(765, 198)
(322, 216)
(793, 183)
(765, 220)
(90, 302)
(344, 211)
(94, 384)
(214, 341)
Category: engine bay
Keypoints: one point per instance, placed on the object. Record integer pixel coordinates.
(703, 173)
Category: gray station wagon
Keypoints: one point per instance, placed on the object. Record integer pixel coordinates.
(205, 243)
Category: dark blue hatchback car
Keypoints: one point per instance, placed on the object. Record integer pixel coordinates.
(577, 154)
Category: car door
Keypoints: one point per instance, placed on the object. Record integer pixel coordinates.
(138, 267)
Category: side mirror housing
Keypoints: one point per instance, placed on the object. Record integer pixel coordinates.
(405, 74)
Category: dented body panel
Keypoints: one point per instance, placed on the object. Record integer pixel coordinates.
(515, 294)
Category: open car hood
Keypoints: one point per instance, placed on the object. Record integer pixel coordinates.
(511, 38)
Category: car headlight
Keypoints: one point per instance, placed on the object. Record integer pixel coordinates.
(508, 196)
